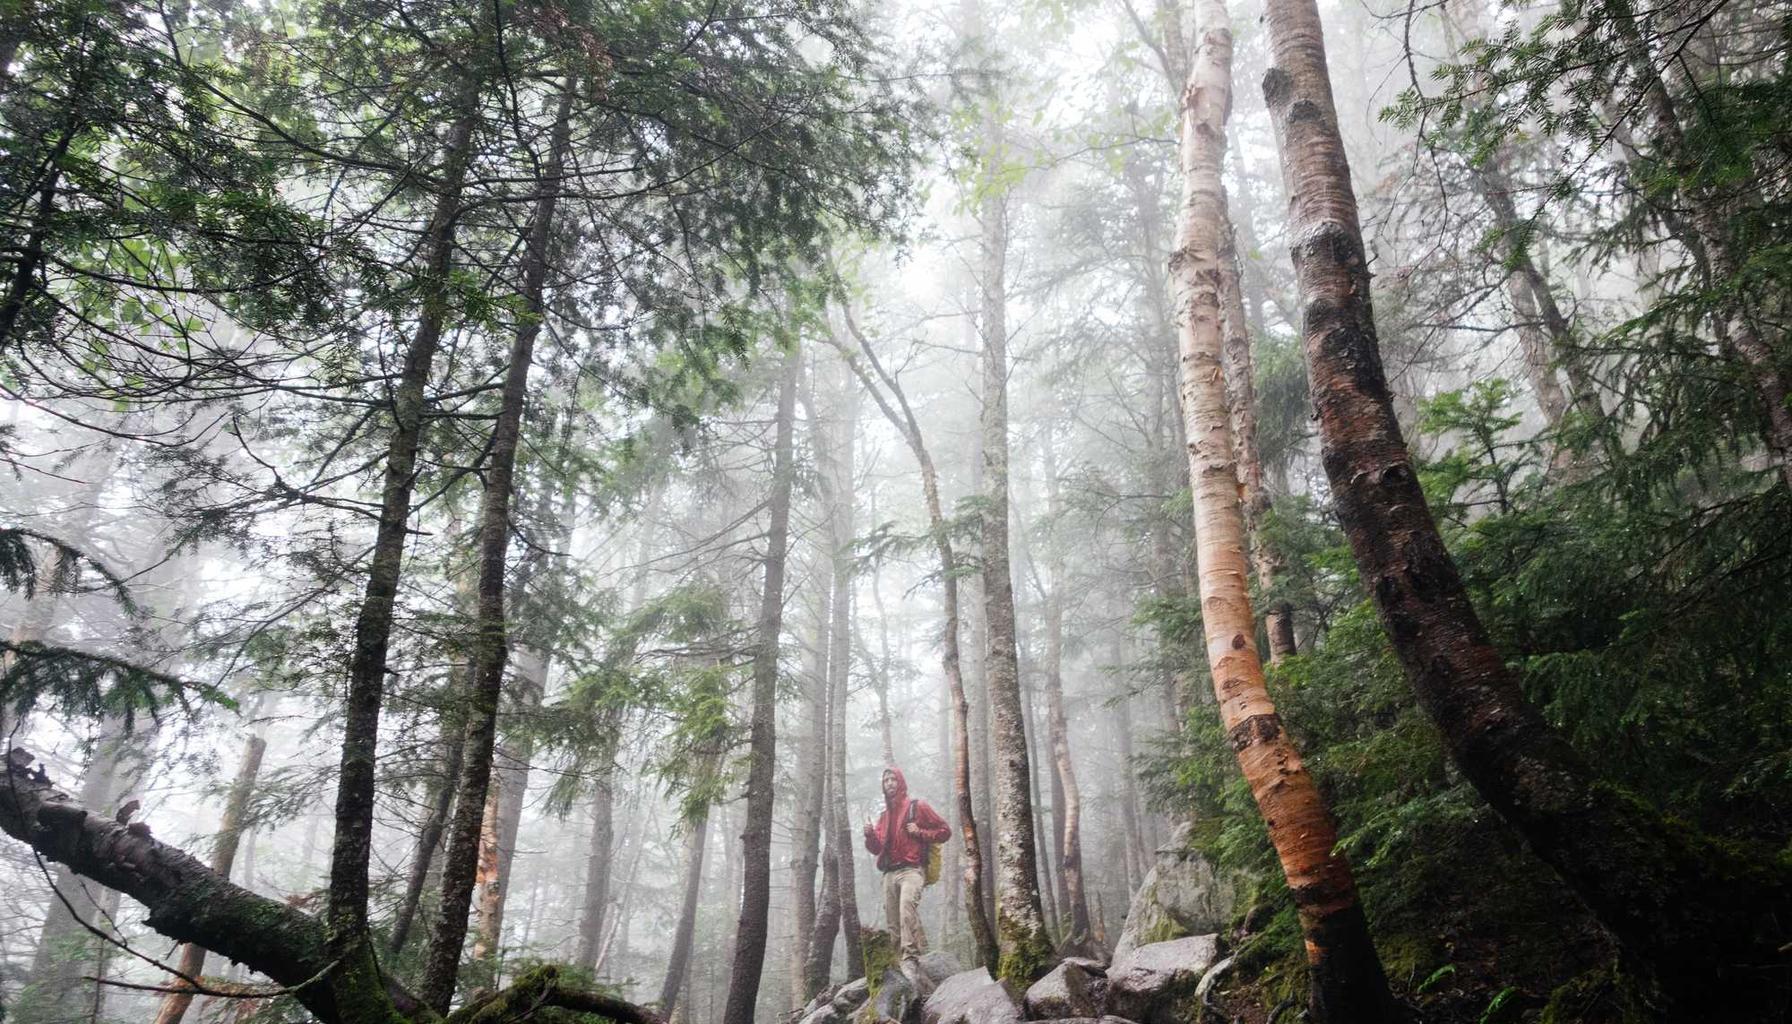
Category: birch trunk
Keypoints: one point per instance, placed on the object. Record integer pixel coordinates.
(1347, 979)
(1241, 404)
(1697, 923)
(1024, 947)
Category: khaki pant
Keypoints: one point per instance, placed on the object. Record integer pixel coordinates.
(902, 909)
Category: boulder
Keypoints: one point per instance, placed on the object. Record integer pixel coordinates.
(937, 967)
(1181, 895)
(971, 997)
(1156, 983)
(851, 996)
(897, 999)
(1074, 988)
(823, 1014)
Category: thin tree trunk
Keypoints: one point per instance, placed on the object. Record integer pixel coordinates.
(460, 863)
(1699, 923)
(597, 872)
(819, 965)
(346, 916)
(505, 801)
(902, 416)
(811, 810)
(440, 802)
(1348, 984)
(756, 838)
(836, 456)
(1075, 902)
(1025, 948)
(1241, 403)
(236, 807)
(679, 960)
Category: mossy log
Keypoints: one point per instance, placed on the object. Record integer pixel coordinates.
(189, 902)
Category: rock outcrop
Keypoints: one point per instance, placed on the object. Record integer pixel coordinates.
(1182, 895)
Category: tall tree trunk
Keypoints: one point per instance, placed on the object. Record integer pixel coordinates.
(505, 801)
(756, 838)
(1347, 980)
(836, 457)
(819, 964)
(236, 807)
(1024, 946)
(460, 863)
(1698, 922)
(902, 416)
(346, 917)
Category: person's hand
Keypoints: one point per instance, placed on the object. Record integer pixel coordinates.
(870, 828)
(912, 829)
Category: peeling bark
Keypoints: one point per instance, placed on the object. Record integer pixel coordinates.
(1348, 984)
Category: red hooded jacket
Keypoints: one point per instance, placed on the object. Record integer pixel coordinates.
(894, 847)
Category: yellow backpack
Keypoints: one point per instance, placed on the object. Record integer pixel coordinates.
(931, 865)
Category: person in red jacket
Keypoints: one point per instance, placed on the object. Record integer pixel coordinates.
(900, 838)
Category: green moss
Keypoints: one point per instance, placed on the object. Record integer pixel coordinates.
(1026, 952)
(1161, 927)
(880, 955)
(511, 1004)
(1596, 997)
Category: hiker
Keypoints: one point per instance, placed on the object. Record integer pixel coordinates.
(902, 838)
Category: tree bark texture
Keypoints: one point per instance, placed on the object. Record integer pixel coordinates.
(1348, 984)
(1241, 403)
(756, 837)
(1698, 923)
(1024, 946)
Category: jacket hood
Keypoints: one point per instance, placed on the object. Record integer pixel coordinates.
(900, 797)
